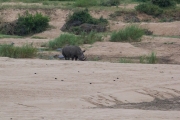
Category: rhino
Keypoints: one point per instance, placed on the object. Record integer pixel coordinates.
(73, 52)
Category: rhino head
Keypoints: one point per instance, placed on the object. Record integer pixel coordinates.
(81, 56)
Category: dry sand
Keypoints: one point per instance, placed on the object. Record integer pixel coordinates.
(33, 89)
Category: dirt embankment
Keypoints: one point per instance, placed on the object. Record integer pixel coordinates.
(166, 47)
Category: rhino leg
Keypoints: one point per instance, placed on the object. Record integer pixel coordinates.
(66, 58)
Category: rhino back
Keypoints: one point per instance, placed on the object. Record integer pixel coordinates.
(71, 51)
(76, 50)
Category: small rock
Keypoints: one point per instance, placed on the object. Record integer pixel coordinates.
(62, 80)
(55, 78)
(35, 73)
(90, 83)
(59, 49)
(117, 78)
(114, 80)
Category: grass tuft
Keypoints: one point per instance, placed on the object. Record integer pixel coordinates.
(124, 60)
(71, 39)
(26, 51)
(90, 38)
(129, 34)
(38, 37)
(9, 36)
(150, 59)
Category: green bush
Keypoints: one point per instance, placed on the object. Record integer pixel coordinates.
(30, 24)
(141, 0)
(177, 1)
(78, 18)
(102, 21)
(129, 34)
(110, 2)
(149, 9)
(170, 15)
(26, 51)
(65, 39)
(75, 30)
(84, 17)
(163, 3)
(85, 3)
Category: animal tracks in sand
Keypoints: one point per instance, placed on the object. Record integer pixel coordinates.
(168, 99)
(102, 100)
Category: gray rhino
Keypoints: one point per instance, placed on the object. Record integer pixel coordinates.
(73, 52)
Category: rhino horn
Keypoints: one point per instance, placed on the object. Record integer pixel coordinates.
(84, 58)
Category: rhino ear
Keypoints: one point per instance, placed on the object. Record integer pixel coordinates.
(83, 51)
